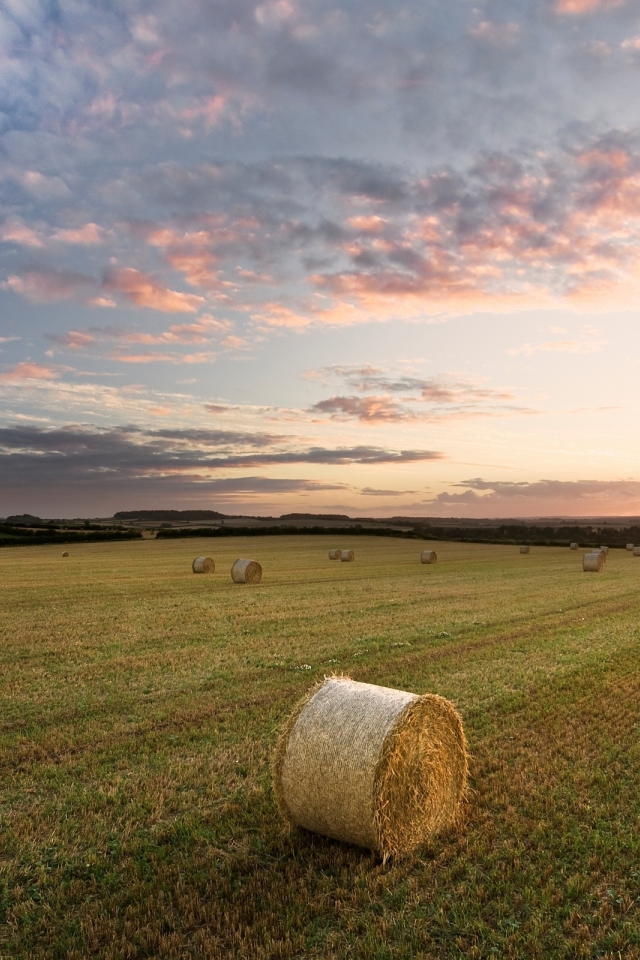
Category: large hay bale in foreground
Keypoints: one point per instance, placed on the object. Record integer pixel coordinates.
(428, 556)
(573, 546)
(380, 768)
(347, 556)
(593, 562)
(636, 551)
(630, 546)
(65, 553)
(334, 554)
(525, 549)
(203, 565)
(246, 571)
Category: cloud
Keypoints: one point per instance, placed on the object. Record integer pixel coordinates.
(560, 346)
(43, 284)
(432, 398)
(541, 498)
(195, 455)
(144, 291)
(30, 371)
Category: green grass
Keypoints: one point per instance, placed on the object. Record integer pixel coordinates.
(140, 704)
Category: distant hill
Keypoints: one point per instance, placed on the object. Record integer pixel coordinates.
(314, 516)
(177, 516)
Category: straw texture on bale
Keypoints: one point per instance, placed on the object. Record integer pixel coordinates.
(593, 562)
(334, 554)
(203, 565)
(636, 551)
(573, 546)
(347, 556)
(428, 556)
(368, 765)
(65, 553)
(525, 549)
(630, 546)
(246, 571)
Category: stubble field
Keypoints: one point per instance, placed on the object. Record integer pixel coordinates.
(139, 704)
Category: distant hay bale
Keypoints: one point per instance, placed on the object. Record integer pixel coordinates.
(525, 549)
(593, 562)
(203, 565)
(604, 549)
(630, 546)
(347, 556)
(334, 554)
(636, 551)
(573, 546)
(368, 765)
(428, 556)
(246, 571)
(65, 553)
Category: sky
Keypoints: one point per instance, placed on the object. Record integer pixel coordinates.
(369, 257)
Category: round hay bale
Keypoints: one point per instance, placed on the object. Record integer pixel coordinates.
(573, 546)
(593, 562)
(525, 549)
(630, 546)
(334, 554)
(246, 571)
(65, 553)
(347, 556)
(428, 556)
(203, 565)
(376, 767)
(636, 551)
(604, 549)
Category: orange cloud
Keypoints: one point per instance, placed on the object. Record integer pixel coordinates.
(147, 292)
(88, 235)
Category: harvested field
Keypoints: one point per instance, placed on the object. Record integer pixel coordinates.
(140, 706)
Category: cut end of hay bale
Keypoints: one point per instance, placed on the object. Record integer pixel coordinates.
(246, 571)
(630, 546)
(593, 562)
(334, 554)
(636, 551)
(573, 546)
(65, 553)
(203, 565)
(525, 549)
(347, 556)
(380, 768)
(428, 556)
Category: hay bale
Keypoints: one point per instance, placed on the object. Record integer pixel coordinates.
(246, 571)
(573, 546)
(525, 549)
(593, 562)
(334, 554)
(630, 546)
(380, 768)
(605, 550)
(65, 553)
(428, 556)
(347, 556)
(636, 551)
(203, 565)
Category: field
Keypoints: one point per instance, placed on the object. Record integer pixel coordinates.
(140, 704)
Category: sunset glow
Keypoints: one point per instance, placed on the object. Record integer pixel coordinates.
(284, 255)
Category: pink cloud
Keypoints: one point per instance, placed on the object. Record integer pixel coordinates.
(29, 371)
(144, 291)
(42, 285)
(88, 235)
(16, 231)
(585, 6)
